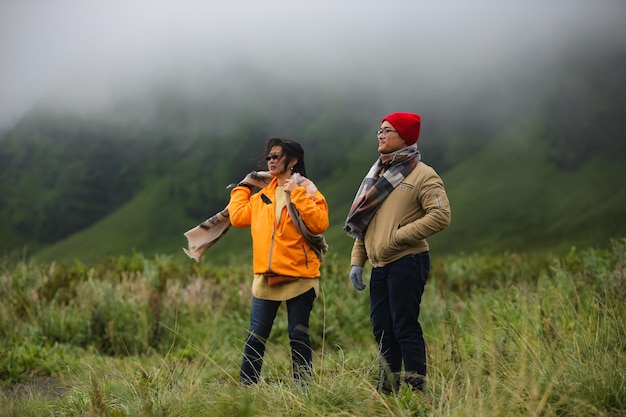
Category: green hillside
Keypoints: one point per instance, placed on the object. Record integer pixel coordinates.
(528, 166)
(147, 224)
(507, 197)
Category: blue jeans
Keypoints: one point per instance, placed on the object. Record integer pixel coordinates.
(395, 295)
(262, 318)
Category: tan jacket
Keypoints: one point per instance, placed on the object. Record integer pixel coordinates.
(416, 209)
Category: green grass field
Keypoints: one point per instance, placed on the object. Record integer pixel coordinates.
(508, 335)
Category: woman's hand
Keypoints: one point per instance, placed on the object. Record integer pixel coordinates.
(289, 186)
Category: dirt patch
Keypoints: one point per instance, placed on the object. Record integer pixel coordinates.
(41, 386)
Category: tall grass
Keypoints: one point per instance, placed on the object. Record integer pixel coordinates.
(508, 335)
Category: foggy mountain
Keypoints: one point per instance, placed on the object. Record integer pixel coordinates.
(87, 57)
(107, 108)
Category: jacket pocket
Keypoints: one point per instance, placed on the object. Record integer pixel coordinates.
(405, 186)
(394, 238)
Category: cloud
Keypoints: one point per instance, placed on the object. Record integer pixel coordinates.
(90, 51)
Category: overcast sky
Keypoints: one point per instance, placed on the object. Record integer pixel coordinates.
(89, 50)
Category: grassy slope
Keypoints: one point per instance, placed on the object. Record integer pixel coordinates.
(150, 224)
(506, 197)
(509, 198)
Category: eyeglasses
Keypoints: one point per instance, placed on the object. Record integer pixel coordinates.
(274, 156)
(384, 132)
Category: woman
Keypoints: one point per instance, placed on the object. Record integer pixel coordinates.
(283, 251)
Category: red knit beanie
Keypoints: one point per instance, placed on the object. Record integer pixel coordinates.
(407, 125)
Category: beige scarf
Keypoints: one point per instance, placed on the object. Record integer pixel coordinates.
(207, 233)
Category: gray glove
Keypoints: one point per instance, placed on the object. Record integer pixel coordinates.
(356, 277)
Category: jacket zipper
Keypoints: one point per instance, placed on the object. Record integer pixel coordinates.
(306, 258)
(269, 262)
(374, 258)
(276, 224)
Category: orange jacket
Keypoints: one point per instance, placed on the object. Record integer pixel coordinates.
(279, 248)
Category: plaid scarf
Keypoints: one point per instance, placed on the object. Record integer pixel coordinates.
(207, 233)
(374, 188)
(317, 242)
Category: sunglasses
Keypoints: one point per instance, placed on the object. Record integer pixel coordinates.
(274, 156)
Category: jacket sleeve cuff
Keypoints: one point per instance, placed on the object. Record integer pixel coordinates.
(243, 184)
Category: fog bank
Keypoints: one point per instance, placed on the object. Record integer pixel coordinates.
(87, 54)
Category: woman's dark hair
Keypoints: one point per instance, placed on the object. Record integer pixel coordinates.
(292, 150)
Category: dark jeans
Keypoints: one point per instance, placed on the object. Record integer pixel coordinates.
(395, 295)
(262, 318)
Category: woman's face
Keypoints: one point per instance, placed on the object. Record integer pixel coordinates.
(276, 161)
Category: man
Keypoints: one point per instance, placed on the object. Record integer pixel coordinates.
(400, 203)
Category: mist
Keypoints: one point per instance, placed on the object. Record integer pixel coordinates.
(86, 55)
